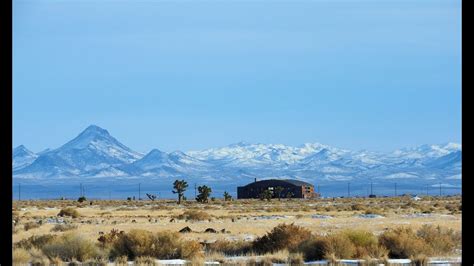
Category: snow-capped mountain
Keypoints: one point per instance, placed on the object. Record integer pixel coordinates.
(91, 152)
(96, 154)
(22, 157)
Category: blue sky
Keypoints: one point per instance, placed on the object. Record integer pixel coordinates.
(374, 75)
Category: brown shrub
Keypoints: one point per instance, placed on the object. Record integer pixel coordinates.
(403, 243)
(339, 246)
(357, 207)
(144, 260)
(20, 256)
(441, 241)
(327, 247)
(63, 227)
(31, 225)
(194, 215)
(69, 212)
(162, 245)
(366, 244)
(283, 236)
(37, 257)
(35, 241)
(230, 248)
(71, 246)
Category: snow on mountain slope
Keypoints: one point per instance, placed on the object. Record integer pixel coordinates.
(96, 154)
(92, 150)
(22, 157)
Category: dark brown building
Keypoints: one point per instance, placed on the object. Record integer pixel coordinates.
(298, 189)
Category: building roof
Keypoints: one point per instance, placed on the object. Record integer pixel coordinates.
(293, 182)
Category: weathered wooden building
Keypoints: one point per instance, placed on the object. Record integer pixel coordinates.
(293, 188)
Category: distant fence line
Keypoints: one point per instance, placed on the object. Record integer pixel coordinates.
(138, 191)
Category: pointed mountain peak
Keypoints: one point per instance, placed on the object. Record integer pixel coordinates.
(22, 150)
(94, 129)
(21, 147)
(155, 153)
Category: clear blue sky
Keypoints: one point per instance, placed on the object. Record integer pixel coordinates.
(184, 75)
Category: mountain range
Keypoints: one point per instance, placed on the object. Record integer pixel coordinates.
(96, 155)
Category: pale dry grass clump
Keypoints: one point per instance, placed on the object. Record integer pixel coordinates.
(20, 256)
(63, 227)
(145, 260)
(35, 241)
(194, 215)
(31, 225)
(403, 243)
(71, 246)
(283, 236)
(69, 212)
(161, 245)
(230, 248)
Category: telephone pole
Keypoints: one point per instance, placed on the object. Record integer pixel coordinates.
(440, 189)
(139, 191)
(19, 191)
(371, 187)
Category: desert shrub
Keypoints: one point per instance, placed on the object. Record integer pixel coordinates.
(327, 247)
(69, 212)
(20, 256)
(312, 249)
(71, 246)
(31, 225)
(283, 236)
(37, 257)
(144, 260)
(63, 227)
(190, 249)
(162, 245)
(194, 215)
(366, 244)
(357, 207)
(121, 260)
(230, 248)
(35, 241)
(376, 211)
(441, 241)
(296, 259)
(338, 245)
(403, 243)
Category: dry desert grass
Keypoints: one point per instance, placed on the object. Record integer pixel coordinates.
(238, 223)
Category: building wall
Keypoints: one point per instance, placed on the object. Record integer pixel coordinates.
(253, 191)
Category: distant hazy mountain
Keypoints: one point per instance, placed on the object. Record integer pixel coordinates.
(96, 154)
(22, 157)
(91, 153)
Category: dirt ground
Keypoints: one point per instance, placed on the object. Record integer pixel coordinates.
(241, 219)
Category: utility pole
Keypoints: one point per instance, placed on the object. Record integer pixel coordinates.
(139, 191)
(81, 191)
(19, 191)
(440, 189)
(395, 189)
(371, 187)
